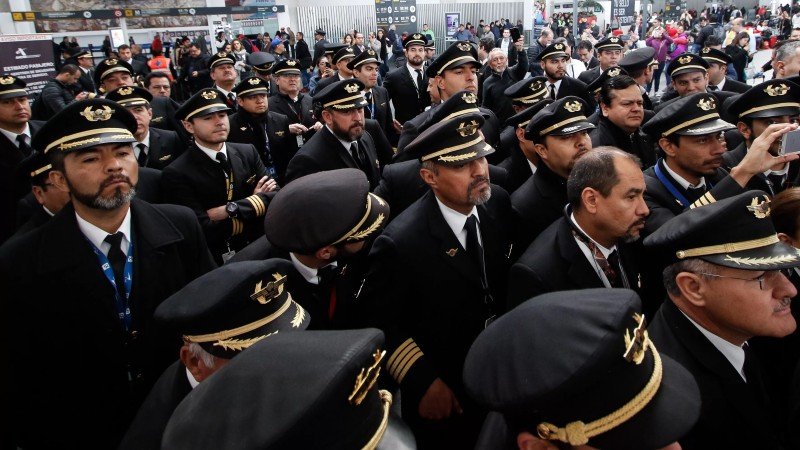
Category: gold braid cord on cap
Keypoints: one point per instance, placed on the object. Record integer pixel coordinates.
(386, 401)
(579, 433)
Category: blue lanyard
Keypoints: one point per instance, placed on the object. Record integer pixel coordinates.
(671, 187)
(122, 304)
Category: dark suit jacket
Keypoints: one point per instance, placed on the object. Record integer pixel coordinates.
(554, 262)
(194, 180)
(539, 202)
(735, 86)
(80, 328)
(86, 81)
(418, 265)
(590, 74)
(11, 189)
(246, 129)
(517, 167)
(325, 152)
(323, 83)
(637, 144)
(301, 111)
(407, 100)
(150, 422)
(164, 119)
(731, 409)
(165, 147)
(494, 85)
(37, 218)
(139, 67)
(383, 112)
(733, 157)
(570, 86)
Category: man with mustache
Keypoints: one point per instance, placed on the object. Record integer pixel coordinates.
(560, 136)
(621, 117)
(726, 284)
(342, 142)
(554, 60)
(407, 87)
(226, 184)
(586, 248)
(438, 277)
(85, 286)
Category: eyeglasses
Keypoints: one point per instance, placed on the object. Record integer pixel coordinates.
(771, 274)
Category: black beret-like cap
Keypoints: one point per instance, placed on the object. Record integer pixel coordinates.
(562, 117)
(84, 124)
(527, 91)
(582, 361)
(251, 86)
(609, 43)
(341, 95)
(204, 102)
(687, 62)
(11, 87)
(554, 50)
(366, 57)
(605, 75)
(637, 59)
(286, 67)
(83, 54)
(451, 142)
(523, 118)
(693, 115)
(772, 98)
(324, 208)
(261, 62)
(309, 390)
(713, 55)
(109, 66)
(35, 167)
(231, 308)
(319, 31)
(346, 52)
(415, 39)
(456, 55)
(734, 232)
(332, 48)
(130, 96)
(219, 59)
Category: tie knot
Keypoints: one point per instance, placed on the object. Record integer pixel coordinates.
(114, 239)
(21, 139)
(419, 71)
(221, 157)
(326, 274)
(471, 223)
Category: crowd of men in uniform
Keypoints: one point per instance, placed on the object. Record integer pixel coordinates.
(551, 263)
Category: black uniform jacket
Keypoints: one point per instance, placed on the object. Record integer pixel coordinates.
(246, 129)
(539, 202)
(408, 101)
(165, 147)
(731, 409)
(379, 102)
(10, 189)
(301, 111)
(196, 181)
(607, 133)
(517, 166)
(590, 74)
(56, 298)
(325, 152)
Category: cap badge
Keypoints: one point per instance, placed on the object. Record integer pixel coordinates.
(614, 39)
(222, 54)
(6, 80)
(614, 72)
(559, 46)
(371, 52)
(254, 81)
(111, 62)
(636, 343)
(291, 63)
(464, 47)
(572, 106)
(684, 59)
(706, 50)
(209, 95)
(470, 97)
(760, 210)
(274, 289)
(707, 104)
(775, 91)
(127, 90)
(351, 88)
(467, 129)
(417, 36)
(97, 114)
(537, 85)
(366, 379)
(349, 49)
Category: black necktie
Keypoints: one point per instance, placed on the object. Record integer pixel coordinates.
(776, 182)
(231, 101)
(358, 156)
(552, 91)
(475, 252)
(117, 259)
(711, 87)
(223, 161)
(142, 159)
(693, 193)
(614, 267)
(420, 87)
(23, 145)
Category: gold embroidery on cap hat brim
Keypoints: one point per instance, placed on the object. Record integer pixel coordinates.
(729, 247)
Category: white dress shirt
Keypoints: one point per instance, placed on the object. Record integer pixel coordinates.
(13, 136)
(309, 273)
(213, 153)
(97, 236)
(684, 184)
(590, 256)
(146, 142)
(457, 221)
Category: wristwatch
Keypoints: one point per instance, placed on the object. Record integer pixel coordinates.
(232, 208)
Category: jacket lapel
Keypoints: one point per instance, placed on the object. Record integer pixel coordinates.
(450, 249)
(580, 271)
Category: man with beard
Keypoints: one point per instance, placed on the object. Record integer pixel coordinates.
(407, 87)
(365, 69)
(438, 277)
(727, 283)
(221, 70)
(560, 134)
(342, 142)
(501, 77)
(554, 60)
(609, 52)
(16, 131)
(225, 184)
(621, 117)
(774, 101)
(292, 103)
(268, 131)
(153, 148)
(88, 283)
(585, 248)
(453, 71)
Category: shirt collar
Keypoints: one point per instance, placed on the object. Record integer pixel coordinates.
(346, 144)
(531, 165)
(310, 274)
(211, 153)
(145, 141)
(605, 251)
(684, 184)
(192, 382)
(732, 352)
(413, 72)
(97, 236)
(13, 136)
(455, 219)
(721, 84)
(224, 92)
